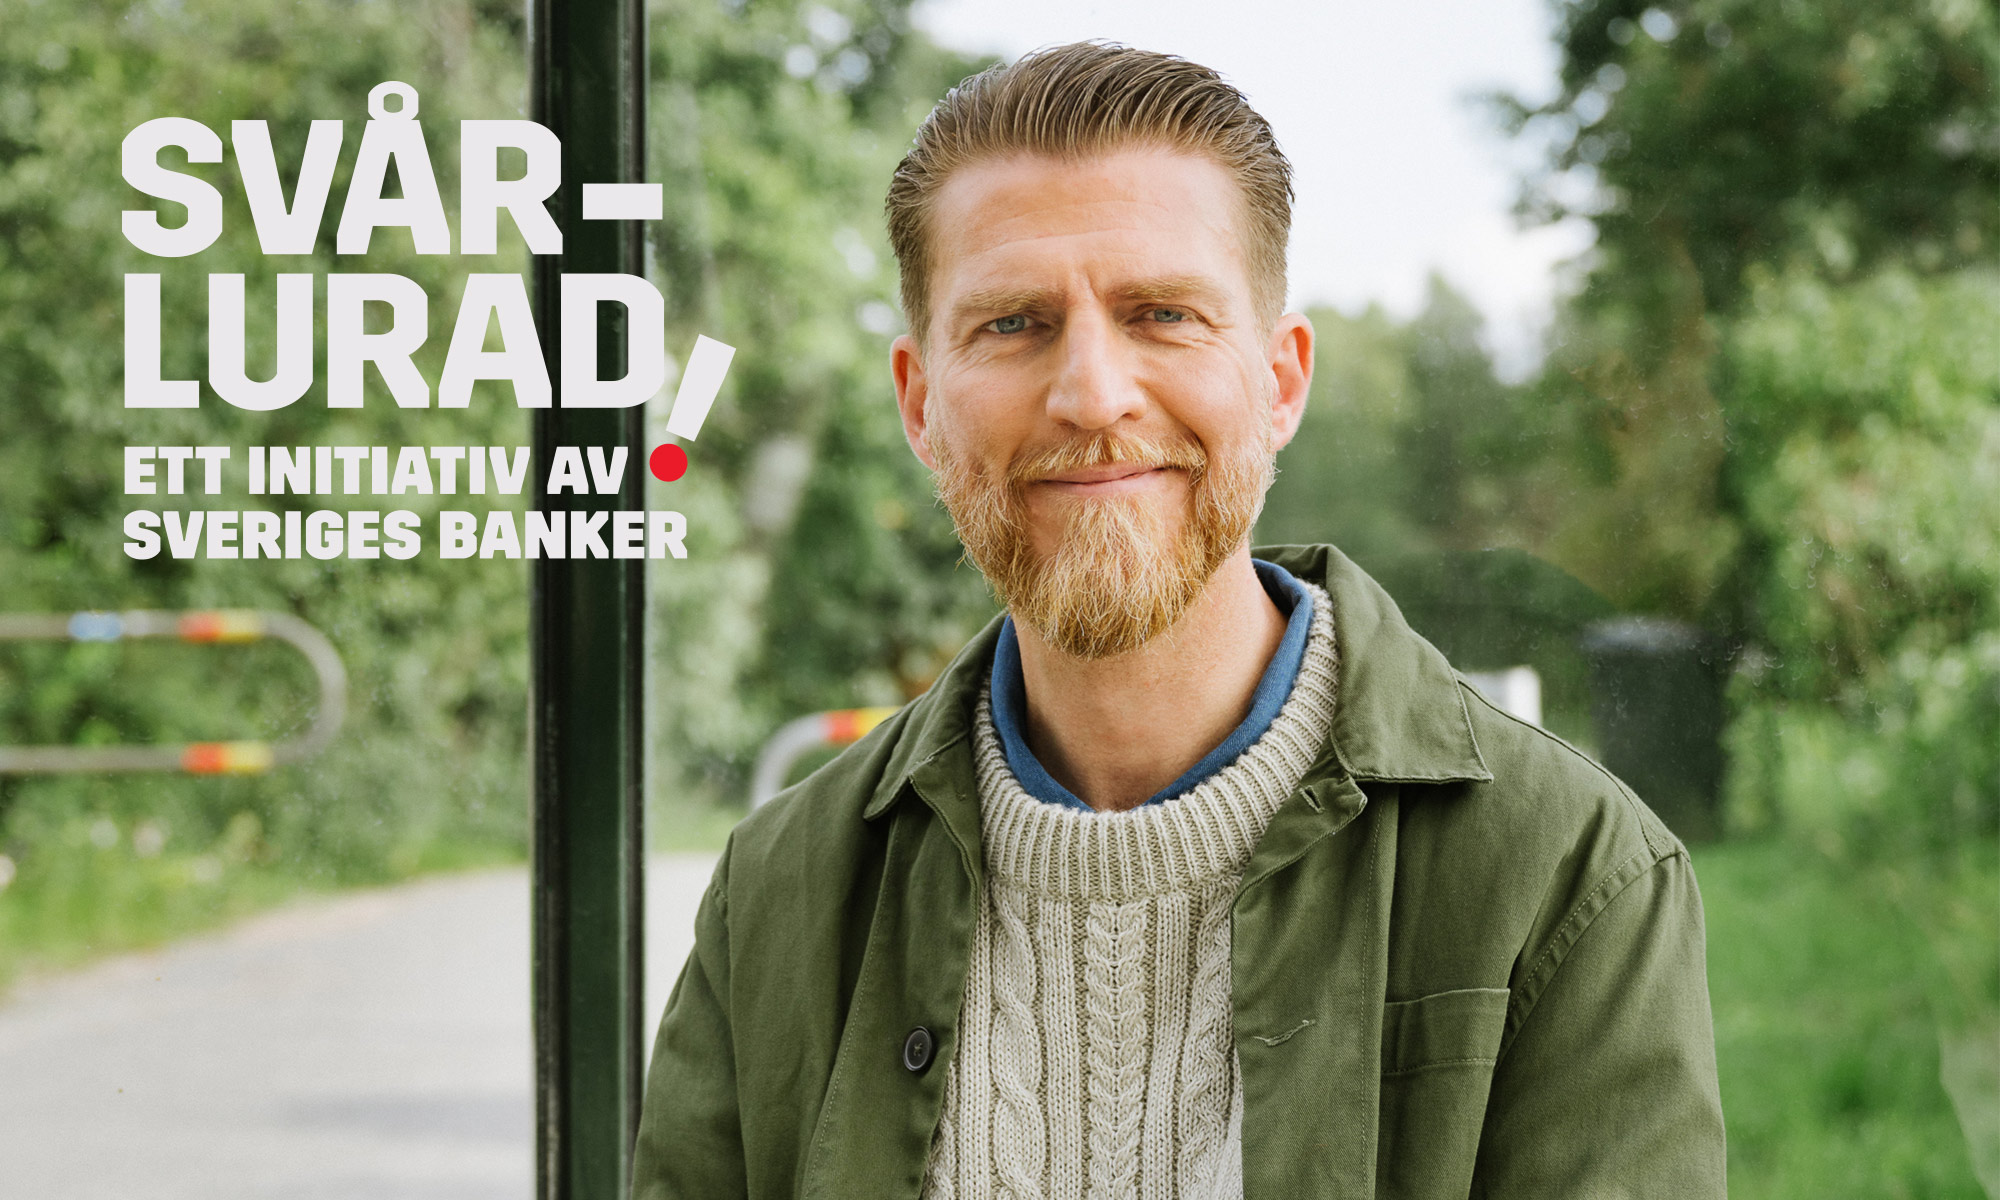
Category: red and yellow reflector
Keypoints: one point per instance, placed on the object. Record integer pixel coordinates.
(227, 758)
(222, 625)
(847, 725)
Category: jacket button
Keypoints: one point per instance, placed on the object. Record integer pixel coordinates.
(917, 1049)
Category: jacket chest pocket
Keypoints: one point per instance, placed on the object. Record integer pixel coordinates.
(1437, 1067)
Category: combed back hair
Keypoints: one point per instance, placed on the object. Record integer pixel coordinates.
(1086, 99)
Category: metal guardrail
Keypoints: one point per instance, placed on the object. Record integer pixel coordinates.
(209, 626)
(799, 737)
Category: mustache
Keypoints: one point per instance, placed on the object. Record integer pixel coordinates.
(1105, 449)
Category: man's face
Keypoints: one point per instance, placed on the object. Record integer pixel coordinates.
(1096, 398)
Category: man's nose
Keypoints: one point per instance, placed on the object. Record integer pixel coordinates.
(1095, 386)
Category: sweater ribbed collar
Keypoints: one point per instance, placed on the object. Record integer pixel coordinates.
(1192, 842)
(1401, 716)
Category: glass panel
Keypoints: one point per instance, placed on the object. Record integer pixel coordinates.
(1655, 379)
(259, 962)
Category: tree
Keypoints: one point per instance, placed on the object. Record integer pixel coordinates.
(1781, 370)
(1703, 139)
(1704, 136)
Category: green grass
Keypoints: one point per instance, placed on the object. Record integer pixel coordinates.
(1827, 985)
(73, 897)
(62, 910)
(72, 900)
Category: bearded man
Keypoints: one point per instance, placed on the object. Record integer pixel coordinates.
(1200, 874)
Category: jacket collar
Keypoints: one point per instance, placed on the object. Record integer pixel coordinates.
(1398, 714)
(1399, 717)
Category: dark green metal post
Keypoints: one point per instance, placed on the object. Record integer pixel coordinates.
(588, 645)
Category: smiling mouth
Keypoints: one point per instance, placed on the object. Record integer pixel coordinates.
(1111, 479)
(1105, 465)
(1104, 473)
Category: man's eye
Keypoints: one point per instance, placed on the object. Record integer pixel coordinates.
(1013, 324)
(1167, 316)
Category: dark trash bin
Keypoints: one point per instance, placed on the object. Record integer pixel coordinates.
(1656, 699)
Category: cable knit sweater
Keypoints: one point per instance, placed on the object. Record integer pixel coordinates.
(1096, 1055)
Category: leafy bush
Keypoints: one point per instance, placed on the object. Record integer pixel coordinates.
(1865, 422)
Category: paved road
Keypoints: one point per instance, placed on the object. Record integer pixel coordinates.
(373, 1046)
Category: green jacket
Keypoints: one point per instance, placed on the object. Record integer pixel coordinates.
(1466, 960)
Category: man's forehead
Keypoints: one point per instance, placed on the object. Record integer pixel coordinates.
(1147, 223)
(1023, 194)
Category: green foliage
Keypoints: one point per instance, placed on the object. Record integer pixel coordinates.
(1780, 388)
(1702, 139)
(1338, 480)
(1469, 436)
(1845, 134)
(435, 651)
(93, 884)
(1410, 445)
(1867, 429)
(1868, 460)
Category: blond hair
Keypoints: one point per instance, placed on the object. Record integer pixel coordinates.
(1092, 98)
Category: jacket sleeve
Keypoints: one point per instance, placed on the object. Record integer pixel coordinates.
(690, 1144)
(1608, 1084)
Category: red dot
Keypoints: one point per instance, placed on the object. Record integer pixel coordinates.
(669, 462)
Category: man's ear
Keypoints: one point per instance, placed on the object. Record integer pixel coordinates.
(906, 364)
(1291, 361)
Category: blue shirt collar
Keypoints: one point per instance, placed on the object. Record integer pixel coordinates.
(1010, 698)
